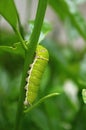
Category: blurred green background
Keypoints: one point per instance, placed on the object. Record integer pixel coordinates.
(65, 73)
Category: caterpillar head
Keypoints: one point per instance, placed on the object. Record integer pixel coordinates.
(42, 52)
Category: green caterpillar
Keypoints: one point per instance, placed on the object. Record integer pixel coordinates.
(84, 95)
(35, 74)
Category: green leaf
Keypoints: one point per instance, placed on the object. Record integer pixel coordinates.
(41, 100)
(84, 95)
(70, 11)
(57, 8)
(9, 12)
(75, 17)
(46, 27)
(17, 49)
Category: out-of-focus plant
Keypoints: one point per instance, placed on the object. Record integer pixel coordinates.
(64, 74)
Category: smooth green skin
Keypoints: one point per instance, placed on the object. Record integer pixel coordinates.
(38, 67)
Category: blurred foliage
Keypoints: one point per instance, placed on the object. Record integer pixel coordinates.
(67, 65)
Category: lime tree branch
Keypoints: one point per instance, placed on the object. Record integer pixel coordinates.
(29, 56)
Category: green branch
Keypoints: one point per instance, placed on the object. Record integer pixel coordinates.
(38, 22)
(29, 56)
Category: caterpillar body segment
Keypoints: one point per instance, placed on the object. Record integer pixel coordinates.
(35, 74)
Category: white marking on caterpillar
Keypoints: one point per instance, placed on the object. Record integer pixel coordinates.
(27, 80)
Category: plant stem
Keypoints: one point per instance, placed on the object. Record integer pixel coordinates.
(21, 39)
(29, 56)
